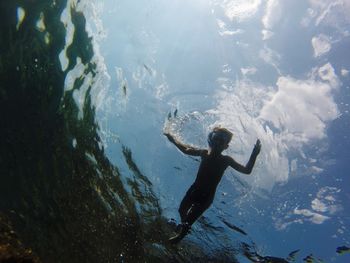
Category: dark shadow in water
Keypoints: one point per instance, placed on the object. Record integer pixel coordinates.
(61, 195)
(233, 227)
(58, 195)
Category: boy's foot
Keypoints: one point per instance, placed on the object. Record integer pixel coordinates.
(184, 228)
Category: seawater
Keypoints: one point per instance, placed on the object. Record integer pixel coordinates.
(61, 198)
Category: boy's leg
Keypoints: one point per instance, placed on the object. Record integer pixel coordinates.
(196, 211)
(184, 207)
(186, 204)
(196, 203)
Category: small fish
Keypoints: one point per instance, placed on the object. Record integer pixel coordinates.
(175, 113)
(148, 69)
(233, 227)
(124, 89)
(244, 128)
(169, 115)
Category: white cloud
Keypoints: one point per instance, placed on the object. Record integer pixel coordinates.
(270, 57)
(311, 216)
(325, 9)
(318, 205)
(273, 13)
(266, 34)
(248, 71)
(326, 200)
(322, 208)
(230, 32)
(221, 24)
(301, 108)
(294, 165)
(223, 31)
(344, 72)
(316, 169)
(240, 10)
(326, 73)
(305, 21)
(285, 118)
(332, 13)
(321, 45)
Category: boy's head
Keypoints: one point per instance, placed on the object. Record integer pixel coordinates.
(219, 138)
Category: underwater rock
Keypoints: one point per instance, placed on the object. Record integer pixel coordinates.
(11, 247)
(343, 250)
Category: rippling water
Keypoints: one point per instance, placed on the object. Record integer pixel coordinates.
(84, 175)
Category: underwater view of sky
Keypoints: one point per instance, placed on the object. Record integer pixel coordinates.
(273, 70)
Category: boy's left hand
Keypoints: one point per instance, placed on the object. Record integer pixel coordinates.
(169, 136)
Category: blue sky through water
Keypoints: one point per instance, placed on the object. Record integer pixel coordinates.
(276, 70)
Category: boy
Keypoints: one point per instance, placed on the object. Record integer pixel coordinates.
(213, 164)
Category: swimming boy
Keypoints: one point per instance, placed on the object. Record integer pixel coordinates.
(213, 164)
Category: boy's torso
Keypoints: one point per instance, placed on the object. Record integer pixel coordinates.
(210, 172)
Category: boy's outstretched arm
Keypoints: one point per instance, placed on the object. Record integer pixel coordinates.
(186, 149)
(247, 169)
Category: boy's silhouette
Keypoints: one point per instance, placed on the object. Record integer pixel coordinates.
(213, 164)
